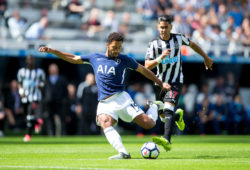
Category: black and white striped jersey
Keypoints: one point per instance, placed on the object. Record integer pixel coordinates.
(170, 69)
(30, 80)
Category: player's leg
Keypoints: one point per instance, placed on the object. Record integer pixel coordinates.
(169, 120)
(170, 100)
(108, 111)
(106, 122)
(29, 118)
(38, 122)
(144, 121)
(30, 110)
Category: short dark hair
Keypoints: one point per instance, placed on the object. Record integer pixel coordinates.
(115, 36)
(165, 18)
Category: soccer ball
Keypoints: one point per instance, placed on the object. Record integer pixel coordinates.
(150, 150)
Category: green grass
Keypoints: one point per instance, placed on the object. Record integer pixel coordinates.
(92, 152)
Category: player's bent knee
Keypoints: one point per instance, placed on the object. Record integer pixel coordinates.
(105, 120)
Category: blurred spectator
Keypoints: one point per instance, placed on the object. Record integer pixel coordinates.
(246, 30)
(237, 14)
(93, 25)
(248, 119)
(230, 87)
(3, 7)
(13, 108)
(229, 23)
(219, 111)
(163, 6)
(236, 119)
(207, 118)
(238, 38)
(200, 37)
(188, 10)
(17, 26)
(35, 31)
(189, 101)
(213, 19)
(55, 95)
(124, 25)
(109, 20)
(89, 4)
(179, 26)
(219, 86)
(119, 5)
(57, 4)
(228, 35)
(2, 115)
(204, 93)
(216, 34)
(74, 10)
(148, 9)
(44, 12)
(87, 92)
(3, 30)
(73, 109)
(222, 13)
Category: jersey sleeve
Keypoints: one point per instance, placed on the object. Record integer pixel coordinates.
(185, 40)
(19, 76)
(131, 63)
(87, 58)
(150, 52)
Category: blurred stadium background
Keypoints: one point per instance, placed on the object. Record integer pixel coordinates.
(215, 102)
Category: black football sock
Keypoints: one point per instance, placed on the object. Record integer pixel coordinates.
(176, 116)
(31, 121)
(169, 124)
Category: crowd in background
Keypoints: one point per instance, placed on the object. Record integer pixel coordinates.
(220, 27)
(70, 109)
(66, 109)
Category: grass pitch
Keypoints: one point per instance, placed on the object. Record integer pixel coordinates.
(92, 152)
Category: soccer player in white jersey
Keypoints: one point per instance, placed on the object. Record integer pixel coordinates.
(164, 53)
(114, 102)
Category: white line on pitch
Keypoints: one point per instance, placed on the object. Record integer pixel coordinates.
(54, 167)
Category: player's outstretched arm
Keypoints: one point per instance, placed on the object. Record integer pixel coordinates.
(71, 58)
(150, 75)
(207, 60)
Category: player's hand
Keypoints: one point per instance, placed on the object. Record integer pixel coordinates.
(208, 63)
(166, 86)
(45, 49)
(165, 53)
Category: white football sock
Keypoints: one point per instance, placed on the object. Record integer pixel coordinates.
(114, 139)
(153, 112)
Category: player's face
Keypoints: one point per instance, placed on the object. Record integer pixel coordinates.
(164, 29)
(114, 48)
(30, 61)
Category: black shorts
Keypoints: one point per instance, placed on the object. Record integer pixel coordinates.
(171, 96)
(30, 108)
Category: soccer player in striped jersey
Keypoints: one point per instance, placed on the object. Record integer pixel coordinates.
(164, 53)
(30, 82)
(114, 102)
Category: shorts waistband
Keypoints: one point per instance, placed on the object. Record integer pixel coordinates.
(111, 97)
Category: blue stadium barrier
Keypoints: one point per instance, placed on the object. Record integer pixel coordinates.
(138, 57)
